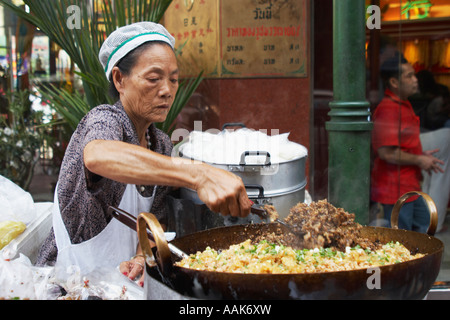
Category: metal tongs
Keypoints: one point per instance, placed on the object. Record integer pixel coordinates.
(259, 210)
(263, 214)
(130, 221)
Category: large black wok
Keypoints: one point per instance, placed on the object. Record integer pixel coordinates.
(407, 280)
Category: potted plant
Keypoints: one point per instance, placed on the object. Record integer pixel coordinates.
(21, 136)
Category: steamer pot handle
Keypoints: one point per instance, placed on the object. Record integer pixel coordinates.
(256, 186)
(233, 124)
(255, 153)
(431, 207)
(163, 256)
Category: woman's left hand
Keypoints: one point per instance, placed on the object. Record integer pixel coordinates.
(134, 269)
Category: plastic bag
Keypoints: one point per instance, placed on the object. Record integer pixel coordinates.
(20, 280)
(9, 230)
(15, 203)
(101, 284)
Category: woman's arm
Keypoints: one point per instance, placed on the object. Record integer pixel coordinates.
(220, 190)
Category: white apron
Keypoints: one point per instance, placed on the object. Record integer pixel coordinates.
(113, 245)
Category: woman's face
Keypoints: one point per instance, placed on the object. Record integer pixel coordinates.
(147, 93)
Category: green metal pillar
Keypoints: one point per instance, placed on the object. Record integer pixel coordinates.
(349, 127)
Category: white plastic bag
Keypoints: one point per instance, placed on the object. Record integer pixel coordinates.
(101, 284)
(20, 280)
(15, 203)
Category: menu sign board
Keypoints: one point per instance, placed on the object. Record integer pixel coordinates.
(263, 38)
(240, 38)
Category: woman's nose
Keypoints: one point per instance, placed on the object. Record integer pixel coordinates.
(165, 89)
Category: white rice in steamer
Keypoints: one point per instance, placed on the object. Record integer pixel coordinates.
(226, 147)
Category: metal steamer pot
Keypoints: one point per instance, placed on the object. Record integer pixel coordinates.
(406, 280)
(281, 184)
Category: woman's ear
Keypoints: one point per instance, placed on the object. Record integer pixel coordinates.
(117, 78)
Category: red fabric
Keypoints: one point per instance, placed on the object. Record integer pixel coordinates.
(395, 124)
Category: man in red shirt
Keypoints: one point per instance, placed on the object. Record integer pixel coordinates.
(398, 155)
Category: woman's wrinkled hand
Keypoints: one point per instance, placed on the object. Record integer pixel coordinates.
(134, 269)
(223, 192)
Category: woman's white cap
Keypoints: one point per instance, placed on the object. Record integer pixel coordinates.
(125, 39)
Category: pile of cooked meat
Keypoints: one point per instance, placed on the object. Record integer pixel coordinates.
(320, 224)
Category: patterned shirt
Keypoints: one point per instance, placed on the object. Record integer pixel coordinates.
(83, 196)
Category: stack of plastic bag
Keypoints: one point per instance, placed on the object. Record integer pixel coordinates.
(19, 279)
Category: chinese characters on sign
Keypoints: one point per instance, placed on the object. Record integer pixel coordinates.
(398, 10)
(241, 38)
(421, 8)
(193, 23)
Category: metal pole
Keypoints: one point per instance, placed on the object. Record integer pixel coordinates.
(349, 126)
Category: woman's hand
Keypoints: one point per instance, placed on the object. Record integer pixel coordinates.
(223, 192)
(134, 269)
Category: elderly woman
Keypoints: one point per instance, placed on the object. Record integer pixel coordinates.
(117, 157)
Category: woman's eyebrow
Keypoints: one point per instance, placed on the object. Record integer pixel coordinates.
(161, 71)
